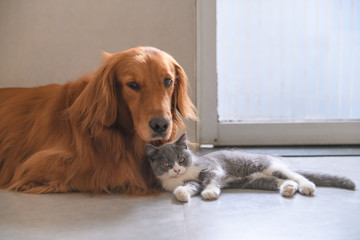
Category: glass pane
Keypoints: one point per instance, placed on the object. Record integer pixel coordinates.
(290, 60)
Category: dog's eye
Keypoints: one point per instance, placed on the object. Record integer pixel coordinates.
(167, 82)
(133, 86)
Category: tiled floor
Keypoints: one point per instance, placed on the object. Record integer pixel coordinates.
(237, 214)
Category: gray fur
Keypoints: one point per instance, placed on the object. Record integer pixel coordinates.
(262, 184)
(234, 169)
(235, 163)
(328, 180)
(270, 184)
(205, 177)
(279, 174)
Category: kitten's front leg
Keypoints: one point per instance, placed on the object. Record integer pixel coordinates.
(211, 181)
(184, 192)
(211, 191)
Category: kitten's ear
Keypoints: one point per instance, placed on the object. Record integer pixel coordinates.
(182, 141)
(150, 149)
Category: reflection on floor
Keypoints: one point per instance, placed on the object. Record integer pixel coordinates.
(237, 214)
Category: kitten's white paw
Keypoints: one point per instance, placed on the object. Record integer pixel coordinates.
(288, 188)
(182, 194)
(210, 194)
(307, 188)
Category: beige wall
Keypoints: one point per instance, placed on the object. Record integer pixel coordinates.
(54, 41)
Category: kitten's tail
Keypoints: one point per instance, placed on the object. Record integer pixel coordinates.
(328, 180)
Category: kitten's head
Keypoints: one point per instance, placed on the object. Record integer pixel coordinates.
(170, 159)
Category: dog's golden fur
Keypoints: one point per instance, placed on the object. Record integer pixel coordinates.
(89, 135)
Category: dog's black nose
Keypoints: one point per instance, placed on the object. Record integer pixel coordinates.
(159, 125)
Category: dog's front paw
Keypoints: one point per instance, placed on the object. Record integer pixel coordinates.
(182, 194)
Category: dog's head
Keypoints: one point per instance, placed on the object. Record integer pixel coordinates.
(144, 85)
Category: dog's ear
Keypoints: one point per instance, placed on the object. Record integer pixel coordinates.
(180, 99)
(106, 108)
(97, 103)
(106, 55)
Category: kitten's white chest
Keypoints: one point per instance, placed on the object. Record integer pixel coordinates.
(170, 183)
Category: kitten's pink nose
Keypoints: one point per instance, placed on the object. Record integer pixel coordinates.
(177, 171)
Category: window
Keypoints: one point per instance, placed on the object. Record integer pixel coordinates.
(283, 72)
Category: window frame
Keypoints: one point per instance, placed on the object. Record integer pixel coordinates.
(210, 131)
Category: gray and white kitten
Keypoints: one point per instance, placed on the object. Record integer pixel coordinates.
(186, 174)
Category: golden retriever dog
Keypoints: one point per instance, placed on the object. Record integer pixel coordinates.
(90, 135)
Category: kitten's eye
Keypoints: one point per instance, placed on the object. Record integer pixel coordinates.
(181, 160)
(165, 164)
(134, 86)
(167, 82)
